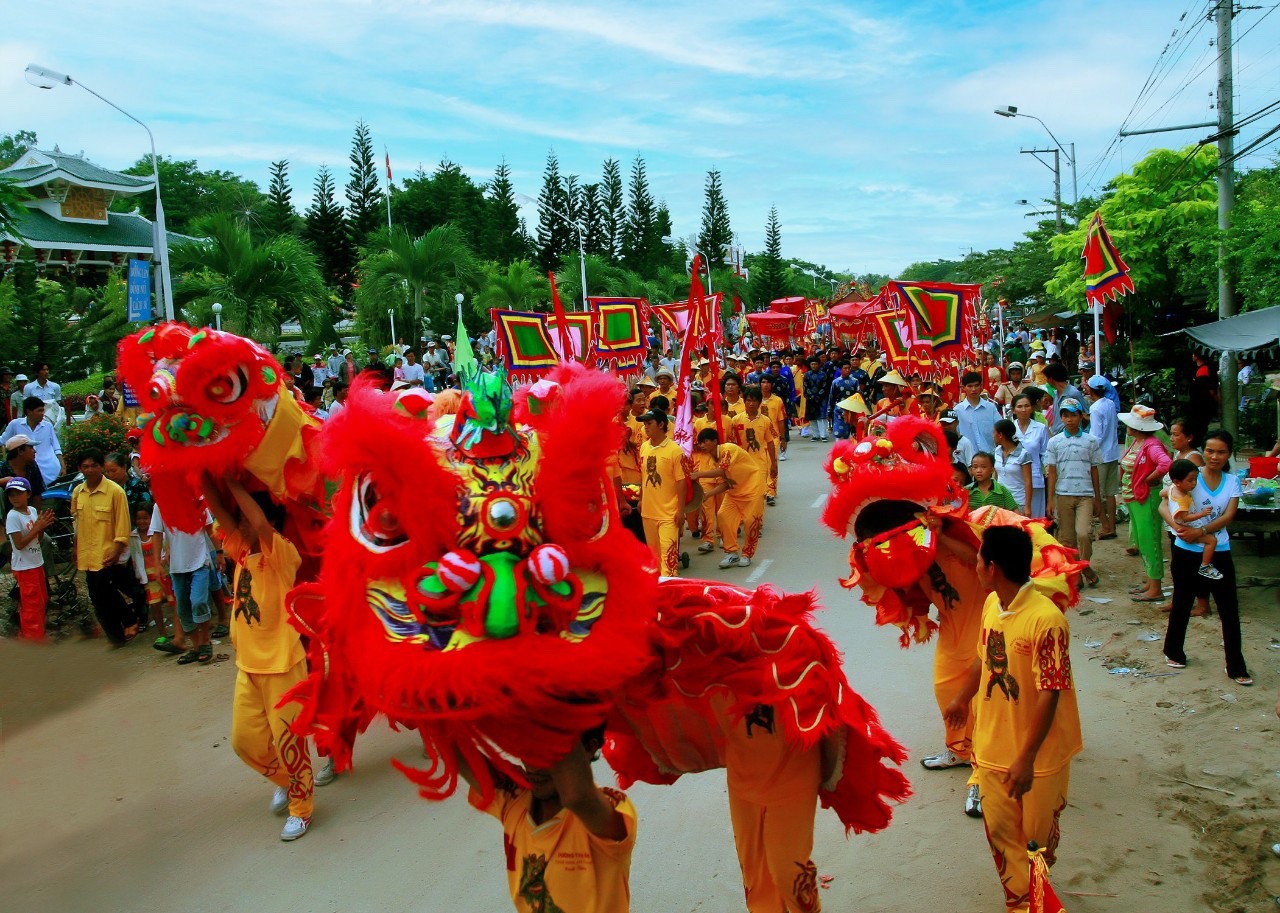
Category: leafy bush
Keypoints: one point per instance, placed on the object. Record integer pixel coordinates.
(105, 433)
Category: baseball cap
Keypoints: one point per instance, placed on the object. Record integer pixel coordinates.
(654, 415)
(18, 440)
(17, 483)
(1070, 404)
(947, 417)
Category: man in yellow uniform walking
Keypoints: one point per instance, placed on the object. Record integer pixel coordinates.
(740, 489)
(664, 493)
(755, 432)
(1028, 725)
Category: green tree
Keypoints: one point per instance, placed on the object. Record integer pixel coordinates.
(278, 216)
(1253, 242)
(402, 266)
(258, 284)
(11, 197)
(105, 322)
(12, 145)
(520, 287)
(1163, 218)
(38, 315)
(445, 195)
(591, 213)
(504, 239)
(364, 194)
(554, 235)
(768, 277)
(326, 230)
(614, 208)
(716, 234)
(641, 237)
(190, 194)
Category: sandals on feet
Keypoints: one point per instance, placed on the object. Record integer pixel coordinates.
(187, 658)
(1243, 680)
(1139, 597)
(204, 653)
(1174, 665)
(166, 645)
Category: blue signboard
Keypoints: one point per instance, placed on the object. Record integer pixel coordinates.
(139, 291)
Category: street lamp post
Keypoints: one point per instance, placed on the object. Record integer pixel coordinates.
(582, 247)
(706, 261)
(1011, 111)
(44, 78)
(391, 313)
(217, 315)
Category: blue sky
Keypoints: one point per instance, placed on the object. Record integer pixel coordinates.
(868, 124)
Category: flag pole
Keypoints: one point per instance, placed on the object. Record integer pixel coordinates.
(387, 157)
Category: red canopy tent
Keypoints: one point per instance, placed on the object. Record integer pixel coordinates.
(794, 306)
(774, 326)
(853, 318)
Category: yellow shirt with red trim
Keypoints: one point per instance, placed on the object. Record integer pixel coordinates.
(749, 480)
(705, 462)
(662, 480)
(1024, 651)
(754, 436)
(777, 411)
(559, 864)
(733, 410)
(265, 642)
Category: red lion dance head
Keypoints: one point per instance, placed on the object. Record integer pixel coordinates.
(211, 403)
(476, 581)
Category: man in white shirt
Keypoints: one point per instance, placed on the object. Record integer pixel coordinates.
(44, 438)
(334, 362)
(1104, 424)
(319, 371)
(435, 364)
(414, 375)
(191, 570)
(45, 389)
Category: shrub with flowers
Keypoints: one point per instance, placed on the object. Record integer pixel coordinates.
(105, 433)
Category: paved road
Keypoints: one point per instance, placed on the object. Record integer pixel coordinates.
(118, 791)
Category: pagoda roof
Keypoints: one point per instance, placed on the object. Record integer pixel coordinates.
(123, 232)
(36, 166)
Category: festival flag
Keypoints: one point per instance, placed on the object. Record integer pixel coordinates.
(893, 329)
(388, 159)
(700, 332)
(941, 315)
(464, 358)
(524, 344)
(1106, 277)
(619, 332)
(566, 349)
(1042, 896)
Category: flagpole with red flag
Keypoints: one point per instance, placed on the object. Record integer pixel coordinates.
(1106, 281)
(567, 352)
(1042, 898)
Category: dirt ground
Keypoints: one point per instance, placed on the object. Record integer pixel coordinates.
(118, 791)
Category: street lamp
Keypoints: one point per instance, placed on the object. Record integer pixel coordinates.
(44, 78)
(217, 315)
(582, 248)
(1012, 111)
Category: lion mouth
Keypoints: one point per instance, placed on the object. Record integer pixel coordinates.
(880, 516)
(177, 426)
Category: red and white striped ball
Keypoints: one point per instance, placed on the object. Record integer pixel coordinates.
(549, 564)
(459, 571)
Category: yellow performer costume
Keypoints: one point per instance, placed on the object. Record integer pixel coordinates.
(743, 504)
(1023, 651)
(662, 496)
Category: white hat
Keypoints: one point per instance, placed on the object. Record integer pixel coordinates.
(20, 377)
(1141, 418)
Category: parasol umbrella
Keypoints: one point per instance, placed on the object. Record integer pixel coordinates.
(794, 306)
(773, 324)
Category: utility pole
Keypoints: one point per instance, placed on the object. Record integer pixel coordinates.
(1230, 395)
(1056, 168)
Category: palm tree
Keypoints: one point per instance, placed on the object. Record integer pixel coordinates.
(440, 256)
(258, 284)
(520, 288)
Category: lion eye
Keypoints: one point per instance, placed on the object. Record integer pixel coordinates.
(374, 521)
(228, 388)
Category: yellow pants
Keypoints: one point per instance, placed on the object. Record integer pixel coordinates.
(260, 734)
(774, 843)
(1011, 824)
(952, 659)
(707, 517)
(663, 537)
(772, 490)
(737, 511)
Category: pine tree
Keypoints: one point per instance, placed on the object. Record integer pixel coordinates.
(364, 195)
(591, 213)
(554, 234)
(716, 235)
(614, 212)
(326, 230)
(768, 280)
(279, 217)
(639, 253)
(503, 237)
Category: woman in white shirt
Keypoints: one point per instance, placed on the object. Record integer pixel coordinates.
(1013, 465)
(1218, 490)
(1032, 437)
